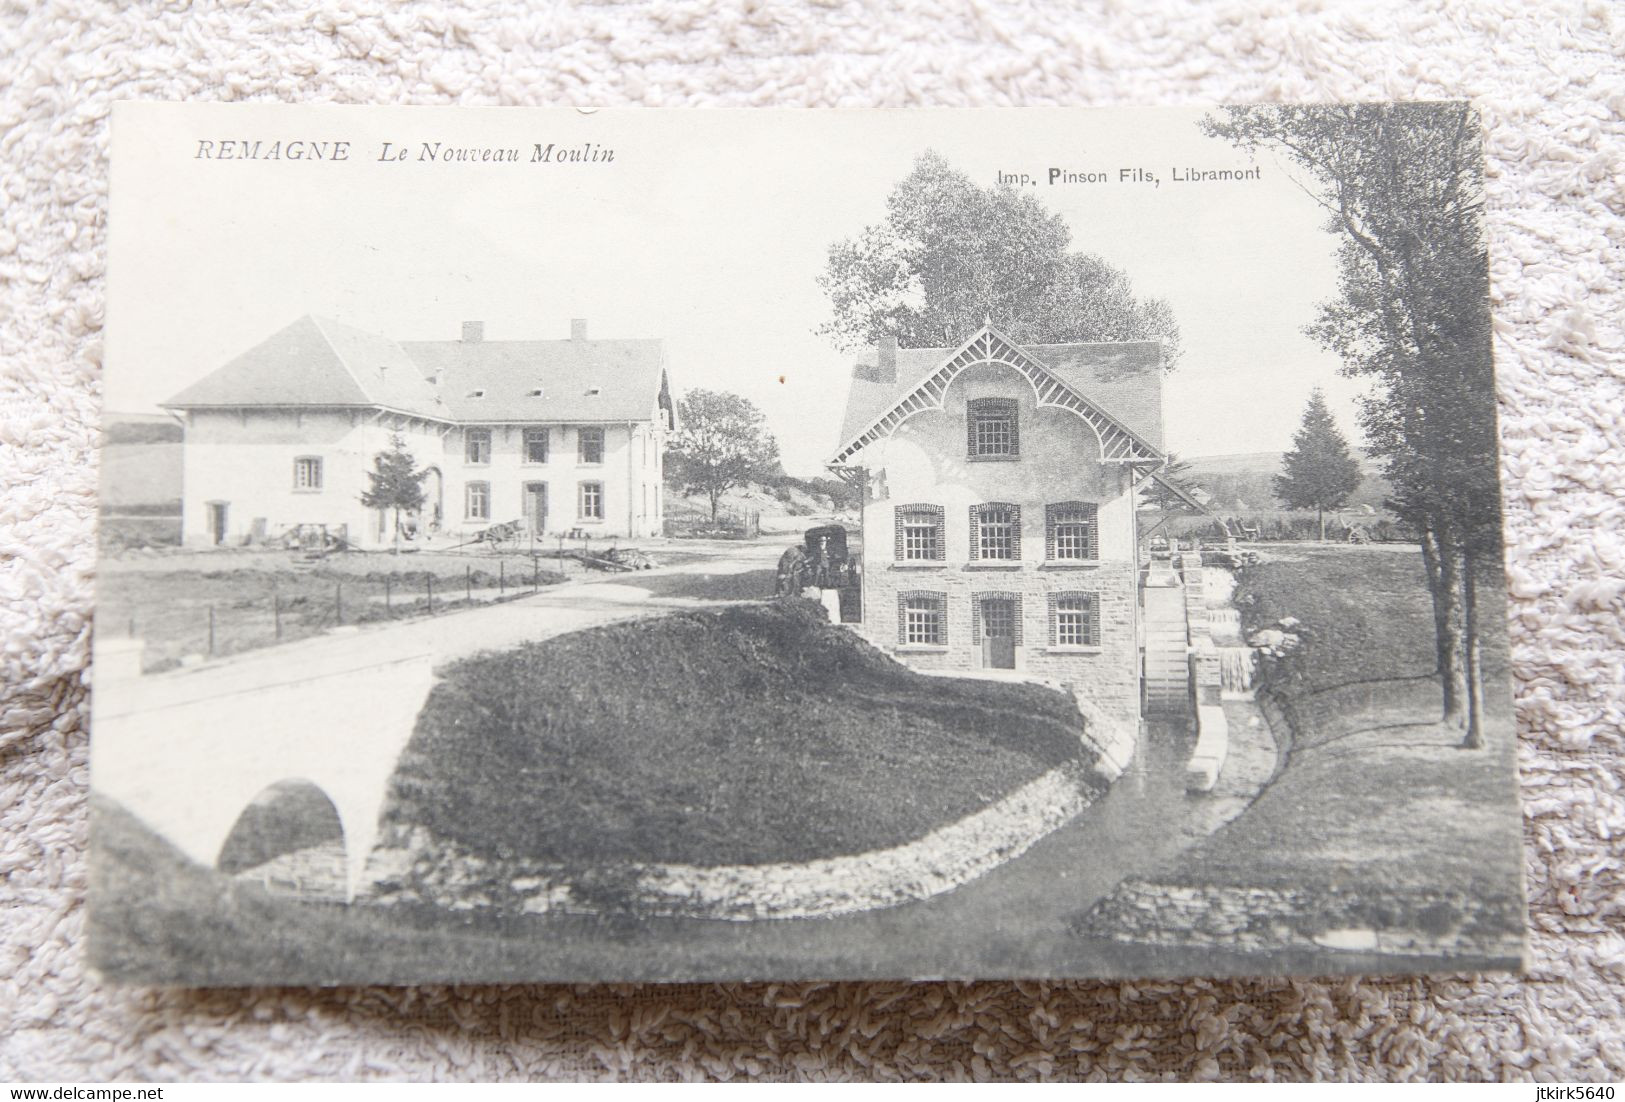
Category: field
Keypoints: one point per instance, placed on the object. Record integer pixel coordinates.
(221, 603)
(752, 734)
(1375, 800)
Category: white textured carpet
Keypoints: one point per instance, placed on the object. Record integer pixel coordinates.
(1551, 81)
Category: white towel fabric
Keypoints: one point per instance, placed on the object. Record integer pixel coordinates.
(1550, 77)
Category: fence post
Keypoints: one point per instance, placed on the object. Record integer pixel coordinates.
(211, 630)
(338, 602)
(276, 613)
(468, 582)
(535, 576)
(132, 625)
(429, 580)
(389, 606)
(502, 577)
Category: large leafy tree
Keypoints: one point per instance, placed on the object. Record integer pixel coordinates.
(723, 443)
(1402, 187)
(395, 483)
(1319, 472)
(951, 255)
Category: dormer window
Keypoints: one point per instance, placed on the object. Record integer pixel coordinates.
(476, 394)
(991, 430)
(594, 391)
(536, 392)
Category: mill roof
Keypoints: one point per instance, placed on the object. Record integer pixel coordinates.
(1122, 378)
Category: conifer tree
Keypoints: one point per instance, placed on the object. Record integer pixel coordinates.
(1319, 472)
(396, 484)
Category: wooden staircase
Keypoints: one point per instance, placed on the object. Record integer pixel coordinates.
(1167, 643)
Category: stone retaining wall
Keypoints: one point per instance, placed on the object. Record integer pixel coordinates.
(428, 870)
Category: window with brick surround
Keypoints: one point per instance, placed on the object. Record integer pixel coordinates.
(535, 445)
(991, 429)
(995, 615)
(922, 619)
(995, 531)
(1072, 531)
(307, 473)
(1074, 620)
(477, 446)
(919, 533)
(477, 501)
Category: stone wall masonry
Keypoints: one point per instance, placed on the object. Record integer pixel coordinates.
(1110, 674)
(423, 869)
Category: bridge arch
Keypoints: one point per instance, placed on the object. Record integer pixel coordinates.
(293, 832)
(188, 752)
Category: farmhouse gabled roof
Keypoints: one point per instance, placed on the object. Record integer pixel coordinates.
(318, 362)
(579, 380)
(1122, 379)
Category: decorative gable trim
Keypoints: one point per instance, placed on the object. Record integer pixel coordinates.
(1118, 444)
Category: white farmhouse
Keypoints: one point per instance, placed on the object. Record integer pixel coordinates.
(563, 436)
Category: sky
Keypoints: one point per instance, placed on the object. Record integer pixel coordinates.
(708, 230)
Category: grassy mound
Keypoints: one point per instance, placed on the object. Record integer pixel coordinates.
(744, 735)
(1375, 801)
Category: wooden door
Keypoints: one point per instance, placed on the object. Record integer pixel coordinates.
(536, 506)
(999, 633)
(217, 522)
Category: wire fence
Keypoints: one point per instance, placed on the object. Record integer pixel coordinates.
(179, 628)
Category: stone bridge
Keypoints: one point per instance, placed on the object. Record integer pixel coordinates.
(188, 751)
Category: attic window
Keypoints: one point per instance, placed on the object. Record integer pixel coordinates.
(594, 391)
(476, 394)
(536, 392)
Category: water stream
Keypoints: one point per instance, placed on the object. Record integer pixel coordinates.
(1236, 670)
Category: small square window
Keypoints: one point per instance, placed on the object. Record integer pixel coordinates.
(995, 531)
(1073, 529)
(1074, 620)
(590, 447)
(919, 533)
(307, 473)
(592, 501)
(477, 498)
(991, 429)
(477, 446)
(921, 619)
(536, 445)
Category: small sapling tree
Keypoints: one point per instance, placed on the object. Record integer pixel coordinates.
(723, 443)
(396, 483)
(1319, 472)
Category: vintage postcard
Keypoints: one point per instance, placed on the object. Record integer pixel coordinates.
(646, 545)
